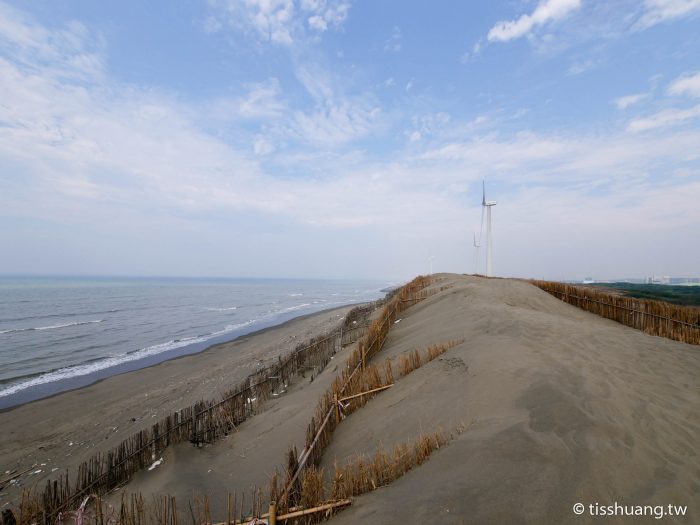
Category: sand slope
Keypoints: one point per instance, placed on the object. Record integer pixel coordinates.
(61, 431)
(246, 458)
(562, 406)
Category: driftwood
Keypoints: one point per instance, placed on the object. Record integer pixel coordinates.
(14, 475)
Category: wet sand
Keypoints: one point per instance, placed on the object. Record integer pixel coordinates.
(59, 432)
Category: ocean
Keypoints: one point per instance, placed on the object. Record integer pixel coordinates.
(59, 333)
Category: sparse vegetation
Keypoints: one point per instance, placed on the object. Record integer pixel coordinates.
(674, 294)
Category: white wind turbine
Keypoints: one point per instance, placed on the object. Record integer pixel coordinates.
(477, 245)
(487, 204)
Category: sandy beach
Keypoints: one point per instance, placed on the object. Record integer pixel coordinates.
(57, 433)
(556, 406)
(560, 406)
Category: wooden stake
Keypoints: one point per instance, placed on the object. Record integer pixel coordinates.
(313, 510)
(337, 409)
(364, 393)
(272, 519)
(174, 510)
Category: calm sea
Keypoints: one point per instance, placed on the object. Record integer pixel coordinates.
(62, 333)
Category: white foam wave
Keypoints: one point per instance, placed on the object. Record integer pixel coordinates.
(109, 362)
(52, 327)
(223, 309)
(295, 294)
(295, 307)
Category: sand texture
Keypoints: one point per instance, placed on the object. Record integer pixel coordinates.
(559, 405)
(66, 429)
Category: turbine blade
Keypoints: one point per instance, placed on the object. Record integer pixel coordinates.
(483, 194)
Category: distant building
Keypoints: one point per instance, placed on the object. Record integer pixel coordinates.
(685, 280)
(655, 279)
(588, 280)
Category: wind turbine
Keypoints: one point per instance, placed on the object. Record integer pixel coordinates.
(477, 245)
(430, 260)
(488, 204)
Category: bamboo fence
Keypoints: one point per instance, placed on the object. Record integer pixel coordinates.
(202, 422)
(356, 378)
(209, 420)
(680, 323)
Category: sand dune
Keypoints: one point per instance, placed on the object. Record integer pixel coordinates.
(560, 407)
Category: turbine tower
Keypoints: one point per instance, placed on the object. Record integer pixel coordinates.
(477, 245)
(488, 204)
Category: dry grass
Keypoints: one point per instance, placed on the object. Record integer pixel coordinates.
(410, 361)
(680, 323)
(202, 422)
(357, 376)
(367, 473)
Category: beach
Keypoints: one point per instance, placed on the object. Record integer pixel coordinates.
(545, 406)
(57, 433)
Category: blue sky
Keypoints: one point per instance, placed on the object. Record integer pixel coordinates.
(331, 138)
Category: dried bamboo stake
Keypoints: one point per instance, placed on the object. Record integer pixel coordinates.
(174, 511)
(365, 393)
(272, 519)
(337, 408)
(313, 510)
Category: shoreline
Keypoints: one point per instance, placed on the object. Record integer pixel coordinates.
(57, 433)
(51, 389)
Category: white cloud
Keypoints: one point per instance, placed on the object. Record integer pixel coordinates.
(335, 123)
(261, 146)
(657, 11)
(282, 22)
(564, 159)
(427, 125)
(325, 13)
(688, 84)
(84, 151)
(629, 100)
(263, 100)
(335, 118)
(272, 19)
(664, 119)
(393, 43)
(469, 55)
(580, 67)
(545, 12)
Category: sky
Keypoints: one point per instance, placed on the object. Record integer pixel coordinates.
(349, 139)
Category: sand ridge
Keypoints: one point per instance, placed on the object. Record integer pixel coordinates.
(562, 406)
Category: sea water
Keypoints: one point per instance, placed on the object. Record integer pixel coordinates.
(62, 333)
